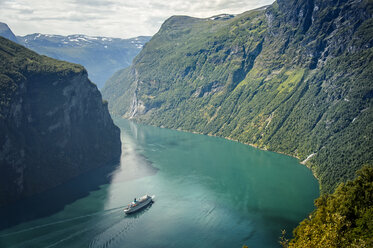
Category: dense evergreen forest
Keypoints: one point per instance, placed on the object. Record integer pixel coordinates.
(342, 219)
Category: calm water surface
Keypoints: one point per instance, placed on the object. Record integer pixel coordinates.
(210, 192)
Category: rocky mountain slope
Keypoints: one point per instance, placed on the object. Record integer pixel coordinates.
(54, 124)
(295, 77)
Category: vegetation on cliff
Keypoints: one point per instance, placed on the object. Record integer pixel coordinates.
(342, 219)
(294, 77)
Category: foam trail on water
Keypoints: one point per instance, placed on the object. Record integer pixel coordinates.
(107, 211)
(69, 237)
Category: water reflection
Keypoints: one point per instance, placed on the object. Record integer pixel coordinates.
(133, 164)
(55, 200)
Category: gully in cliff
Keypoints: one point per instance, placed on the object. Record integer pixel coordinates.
(136, 205)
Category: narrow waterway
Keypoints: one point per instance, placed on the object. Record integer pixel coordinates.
(210, 192)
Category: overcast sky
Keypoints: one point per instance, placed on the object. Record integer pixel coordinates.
(114, 18)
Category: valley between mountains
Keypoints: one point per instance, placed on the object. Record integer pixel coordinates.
(95, 124)
(294, 77)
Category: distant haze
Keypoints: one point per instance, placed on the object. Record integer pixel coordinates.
(113, 18)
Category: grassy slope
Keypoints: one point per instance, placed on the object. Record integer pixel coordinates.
(272, 78)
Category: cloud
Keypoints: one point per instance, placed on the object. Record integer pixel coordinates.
(115, 18)
(93, 2)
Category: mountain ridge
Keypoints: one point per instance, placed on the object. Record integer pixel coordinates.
(101, 56)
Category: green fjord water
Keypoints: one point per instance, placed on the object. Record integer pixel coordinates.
(210, 192)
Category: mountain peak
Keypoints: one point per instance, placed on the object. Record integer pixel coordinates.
(6, 32)
(179, 21)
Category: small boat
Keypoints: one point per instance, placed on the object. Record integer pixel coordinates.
(138, 204)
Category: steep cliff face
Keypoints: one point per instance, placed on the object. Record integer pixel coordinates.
(293, 77)
(54, 124)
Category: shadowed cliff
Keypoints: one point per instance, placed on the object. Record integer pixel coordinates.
(54, 124)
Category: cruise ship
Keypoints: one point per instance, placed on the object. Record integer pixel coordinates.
(138, 204)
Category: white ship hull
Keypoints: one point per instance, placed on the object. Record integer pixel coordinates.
(136, 206)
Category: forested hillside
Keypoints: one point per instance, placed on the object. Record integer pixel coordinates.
(295, 77)
(342, 219)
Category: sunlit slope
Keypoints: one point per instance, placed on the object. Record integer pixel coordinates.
(295, 77)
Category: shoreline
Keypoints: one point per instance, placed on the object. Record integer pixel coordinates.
(304, 162)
